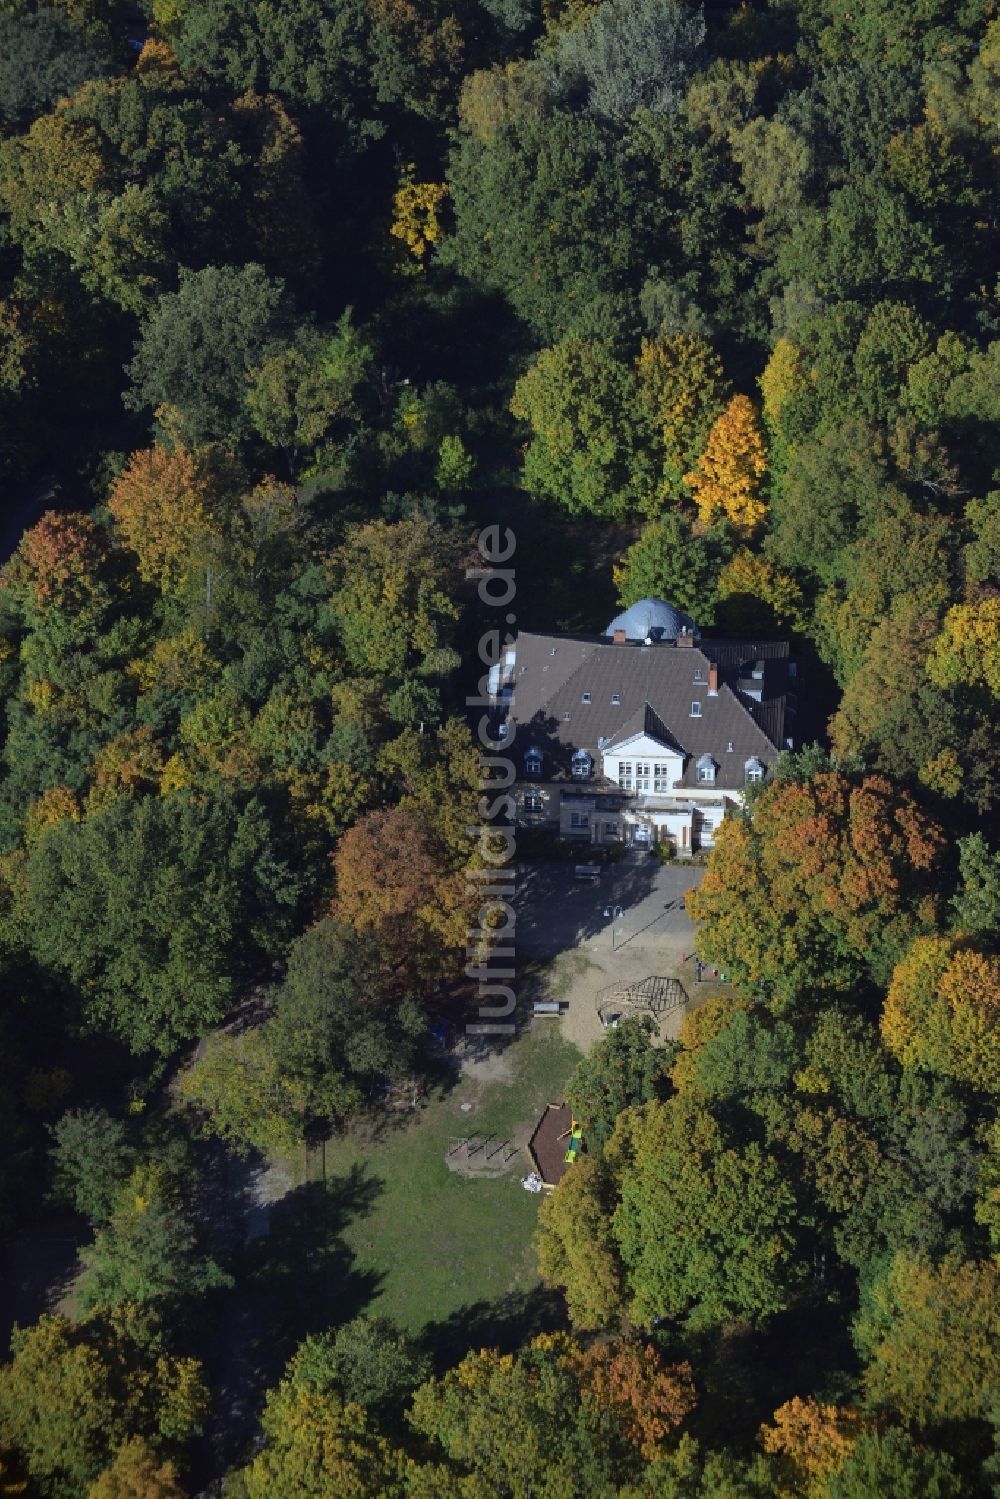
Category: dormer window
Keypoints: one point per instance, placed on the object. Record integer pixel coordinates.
(696, 710)
(698, 674)
(533, 762)
(754, 769)
(581, 765)
(532, 801)
(729, 747)
(706, 770)
(585, 698)
(566, 718)
(616, 700)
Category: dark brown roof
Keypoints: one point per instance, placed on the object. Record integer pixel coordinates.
(548, 1143)
(564, 690)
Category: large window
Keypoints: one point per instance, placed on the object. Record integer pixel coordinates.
(642, 768)
(625, 769)
(661, 777)
(579, 820)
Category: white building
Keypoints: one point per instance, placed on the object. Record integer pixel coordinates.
(647, 732)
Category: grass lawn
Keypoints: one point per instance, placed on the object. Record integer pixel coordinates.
(432, 1245)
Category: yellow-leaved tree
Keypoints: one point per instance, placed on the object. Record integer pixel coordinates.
(967, 651)
(942, 1012)
(417, 215)
(728, 476)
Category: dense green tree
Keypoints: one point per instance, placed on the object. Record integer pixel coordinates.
(44, 55)
(706, 1227)
(367, 1360)
(196, 350)
(115, 905)
(624, 1068)
(628, 56)
(891, 1462)
(671, 561)
(146, 1254)
(587, 451)
(545, 213)
(92, 1156)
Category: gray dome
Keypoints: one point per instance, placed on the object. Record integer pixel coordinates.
(654, 618)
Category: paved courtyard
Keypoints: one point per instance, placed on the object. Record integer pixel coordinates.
(572, 943)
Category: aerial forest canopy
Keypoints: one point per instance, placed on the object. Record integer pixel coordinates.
(704, 302)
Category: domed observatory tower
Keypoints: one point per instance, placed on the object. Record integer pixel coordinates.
(653, 621)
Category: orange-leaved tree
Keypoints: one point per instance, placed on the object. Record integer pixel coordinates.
(166, 505)
(810, 1442)
(820, 886)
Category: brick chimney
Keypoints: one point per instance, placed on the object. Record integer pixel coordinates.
(619, 637)
(685, 637)
(713, 678)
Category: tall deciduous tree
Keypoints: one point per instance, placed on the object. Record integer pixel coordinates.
(728, 476)
(942, 1012)
(75, 1391)
(587, 451)
(199, 344)
(819, 887)
(706, 1228)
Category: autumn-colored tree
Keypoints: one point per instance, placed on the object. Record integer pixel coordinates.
(783, 382)
(809, 1441)
(821, 886)
(756, 597)
(75, 1391)
(504, 1419)
(316, 1447)
(575, 1247)
(727, 478)
(137, 1473)
(248, 1101)
(165, 505)
(127, 766)
(967, 651)
(416, 222)
(648, 1398)
(180, 665)
(59, 563)
(930, 1338)
(392, 880)
(682, 390)
(698, 1028)
(51, 808)
(942, 1012)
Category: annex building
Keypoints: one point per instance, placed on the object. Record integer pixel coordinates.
(647, 732)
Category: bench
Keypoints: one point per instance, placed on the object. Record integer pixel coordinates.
(587, 871)
(548, 1007)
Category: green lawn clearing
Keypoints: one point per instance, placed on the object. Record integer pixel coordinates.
(432, 1242)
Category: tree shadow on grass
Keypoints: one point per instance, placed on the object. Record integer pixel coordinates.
(505, 1323)
(297, 1278)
